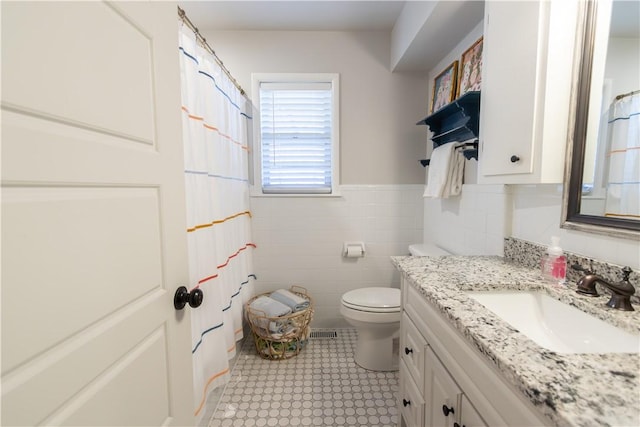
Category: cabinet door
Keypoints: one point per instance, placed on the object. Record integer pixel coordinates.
(410, 399)
(526, 91)
(469, 417)
(511, 85)
(441, 395)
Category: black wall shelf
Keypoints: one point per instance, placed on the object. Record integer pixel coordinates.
(457, 121)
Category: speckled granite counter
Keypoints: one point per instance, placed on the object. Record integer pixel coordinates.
(569, 389)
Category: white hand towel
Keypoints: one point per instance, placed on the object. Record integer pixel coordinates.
(446, 170)
(453, 186)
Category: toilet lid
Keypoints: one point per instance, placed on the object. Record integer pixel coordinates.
(379, 300)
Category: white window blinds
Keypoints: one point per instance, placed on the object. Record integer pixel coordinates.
(296, 133)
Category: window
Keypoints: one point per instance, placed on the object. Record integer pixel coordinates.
(298, 128)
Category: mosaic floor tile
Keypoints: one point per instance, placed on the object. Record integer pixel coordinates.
(322, 386)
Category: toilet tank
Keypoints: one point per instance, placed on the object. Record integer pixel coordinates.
(427, 249)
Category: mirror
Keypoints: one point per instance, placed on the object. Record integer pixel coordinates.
(602, 179)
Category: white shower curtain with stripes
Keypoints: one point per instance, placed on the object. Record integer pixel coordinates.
(623, 187)
(215, 121)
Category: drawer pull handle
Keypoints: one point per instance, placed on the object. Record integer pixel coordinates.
(406, 402)
(408, 350)
(446, 411)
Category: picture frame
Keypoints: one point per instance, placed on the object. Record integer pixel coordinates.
(444, 87)
(470, 76)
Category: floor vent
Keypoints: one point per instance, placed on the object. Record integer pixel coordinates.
(324, 334)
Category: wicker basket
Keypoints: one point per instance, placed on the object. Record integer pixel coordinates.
(295, 328)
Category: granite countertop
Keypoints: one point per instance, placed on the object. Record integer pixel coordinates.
(568, 389)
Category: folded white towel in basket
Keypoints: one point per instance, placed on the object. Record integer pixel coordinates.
(288, 298)
(271, 308)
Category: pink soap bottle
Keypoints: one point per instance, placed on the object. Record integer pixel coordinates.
(554, 263)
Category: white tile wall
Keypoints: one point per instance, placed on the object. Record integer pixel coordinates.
(536, 217)
(473, 223)
(299, 241)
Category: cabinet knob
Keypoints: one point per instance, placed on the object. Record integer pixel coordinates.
(515, 159)
(408, 350)
(406, 402)
(446, 410)
(456, 425)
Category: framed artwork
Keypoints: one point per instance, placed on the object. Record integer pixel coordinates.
(471, 69)
(444, 87)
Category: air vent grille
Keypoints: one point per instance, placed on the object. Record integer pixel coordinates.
(324, 334)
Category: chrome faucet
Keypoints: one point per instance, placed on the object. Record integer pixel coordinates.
(621, 292)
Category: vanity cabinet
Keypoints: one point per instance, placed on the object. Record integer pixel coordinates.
(444, 381)
(470, 417)
(526, 87)
(429, 396)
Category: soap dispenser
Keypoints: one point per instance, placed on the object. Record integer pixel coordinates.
(554, 264)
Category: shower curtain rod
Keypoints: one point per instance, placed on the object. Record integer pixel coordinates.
(183, 15)
(624, 95)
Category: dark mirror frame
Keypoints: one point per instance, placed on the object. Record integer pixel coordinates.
(574, 166)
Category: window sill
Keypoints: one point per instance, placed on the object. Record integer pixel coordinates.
(256, 192)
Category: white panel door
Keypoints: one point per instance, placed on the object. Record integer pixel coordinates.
(93, 216)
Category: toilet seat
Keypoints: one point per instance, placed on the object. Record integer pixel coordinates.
(373, 300)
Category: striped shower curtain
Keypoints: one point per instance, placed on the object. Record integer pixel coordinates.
(623, 187)
(215, 121)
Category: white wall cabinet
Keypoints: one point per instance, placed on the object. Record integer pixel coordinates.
(444, 382)
(526, 87)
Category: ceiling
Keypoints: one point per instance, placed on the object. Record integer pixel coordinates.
(298, 15)
(336, 15)
(625, 19)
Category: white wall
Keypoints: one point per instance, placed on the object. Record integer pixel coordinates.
(623, 65)
(299, 240)
(536, 211)
(474, 222)
(380, 142)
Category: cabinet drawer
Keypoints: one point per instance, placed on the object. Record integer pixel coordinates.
(412, 350)
(410, 399)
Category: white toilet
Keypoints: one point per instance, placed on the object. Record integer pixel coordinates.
(375, 313)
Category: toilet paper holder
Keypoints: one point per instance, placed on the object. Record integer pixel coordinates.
(353, 250)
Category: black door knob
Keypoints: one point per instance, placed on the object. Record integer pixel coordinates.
(408, 350)
(406, 402)
(515, 159)
(446, 411)
(183, 296)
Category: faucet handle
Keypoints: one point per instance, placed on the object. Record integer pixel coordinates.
(626, 272)
(578, 267)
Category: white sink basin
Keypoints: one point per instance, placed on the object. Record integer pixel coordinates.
(555, 325)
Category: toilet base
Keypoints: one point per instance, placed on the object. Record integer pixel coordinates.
(377, 353)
